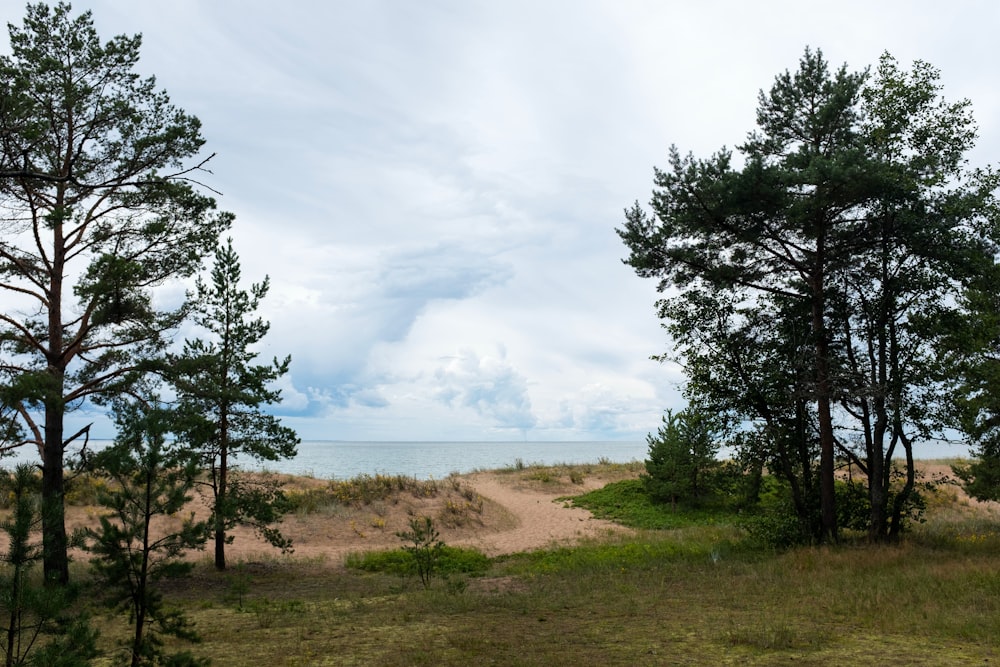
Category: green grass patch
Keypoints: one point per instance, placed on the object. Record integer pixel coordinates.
(697, 594)
(627, 502)
(696, 548)
(452, 560)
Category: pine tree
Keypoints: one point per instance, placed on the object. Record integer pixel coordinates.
(850, 215)
(134, 548)
(98, 207)
(223, 390)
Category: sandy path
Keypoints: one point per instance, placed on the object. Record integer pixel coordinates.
(539, 520)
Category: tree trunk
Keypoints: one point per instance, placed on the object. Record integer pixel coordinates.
(14, 622)
(220, 505)
(827, 491)
(141, 601)
(55, 561)
(878, 497)
(896, 525)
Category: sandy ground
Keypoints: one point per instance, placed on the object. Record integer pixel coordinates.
(539, 519)
(496, 513)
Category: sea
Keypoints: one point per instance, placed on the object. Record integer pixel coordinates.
(336, 459)
(339, 459)
(427, 460)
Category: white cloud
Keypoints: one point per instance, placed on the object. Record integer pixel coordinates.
(488, 384)
(433, 187)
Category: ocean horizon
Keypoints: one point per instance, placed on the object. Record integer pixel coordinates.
(339, 459)
(344, 459)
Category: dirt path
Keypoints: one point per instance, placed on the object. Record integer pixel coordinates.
(539, 520)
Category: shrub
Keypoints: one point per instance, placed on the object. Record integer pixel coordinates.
(854, 505)
(777, 528)
(423, 546)
(451, 560)
(85, 489)
(682, 461)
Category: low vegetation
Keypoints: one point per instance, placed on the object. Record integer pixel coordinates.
(365, 490)
(690, 586)
(694, 591)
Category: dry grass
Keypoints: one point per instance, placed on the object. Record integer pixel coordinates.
(694, 596)
(687, 597)
(897, 606)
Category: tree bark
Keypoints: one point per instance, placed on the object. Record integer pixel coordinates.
(220, 520)
(55, 561)
(827, 491)
(221, 501)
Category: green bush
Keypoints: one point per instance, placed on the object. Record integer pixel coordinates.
(777, 527)
(682, 466)
(854, 505)
(627, 502)
(85, 489)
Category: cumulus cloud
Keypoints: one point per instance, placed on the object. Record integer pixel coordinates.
(291, 398)
(488, 384)
(441, 271)
(335, 315)
(608, 411)
(322, 400)
(420, 178)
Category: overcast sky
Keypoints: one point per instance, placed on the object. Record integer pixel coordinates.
(433, 187)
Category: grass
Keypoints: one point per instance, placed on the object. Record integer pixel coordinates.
(360, 491)
(627, 503)
(693, 593)
(568, 473)
(452, 561)
(656, 599)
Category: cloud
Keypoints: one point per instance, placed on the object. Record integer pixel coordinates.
(488, 384)
(421, 178)
(607, 410)
(292, 399)
(420, 275)
(323, 400)
(334, 314)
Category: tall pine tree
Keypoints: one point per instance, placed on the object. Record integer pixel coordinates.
(97, 208)
(853, 209)
(223, 391)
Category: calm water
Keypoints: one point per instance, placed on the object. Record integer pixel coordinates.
(424, 460)
(343, 460)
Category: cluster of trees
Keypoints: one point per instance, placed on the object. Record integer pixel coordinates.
(99, 206)
(831, 288)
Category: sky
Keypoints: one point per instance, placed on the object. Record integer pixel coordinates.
(433, 187)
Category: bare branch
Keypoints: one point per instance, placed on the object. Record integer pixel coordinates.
(25, 174)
